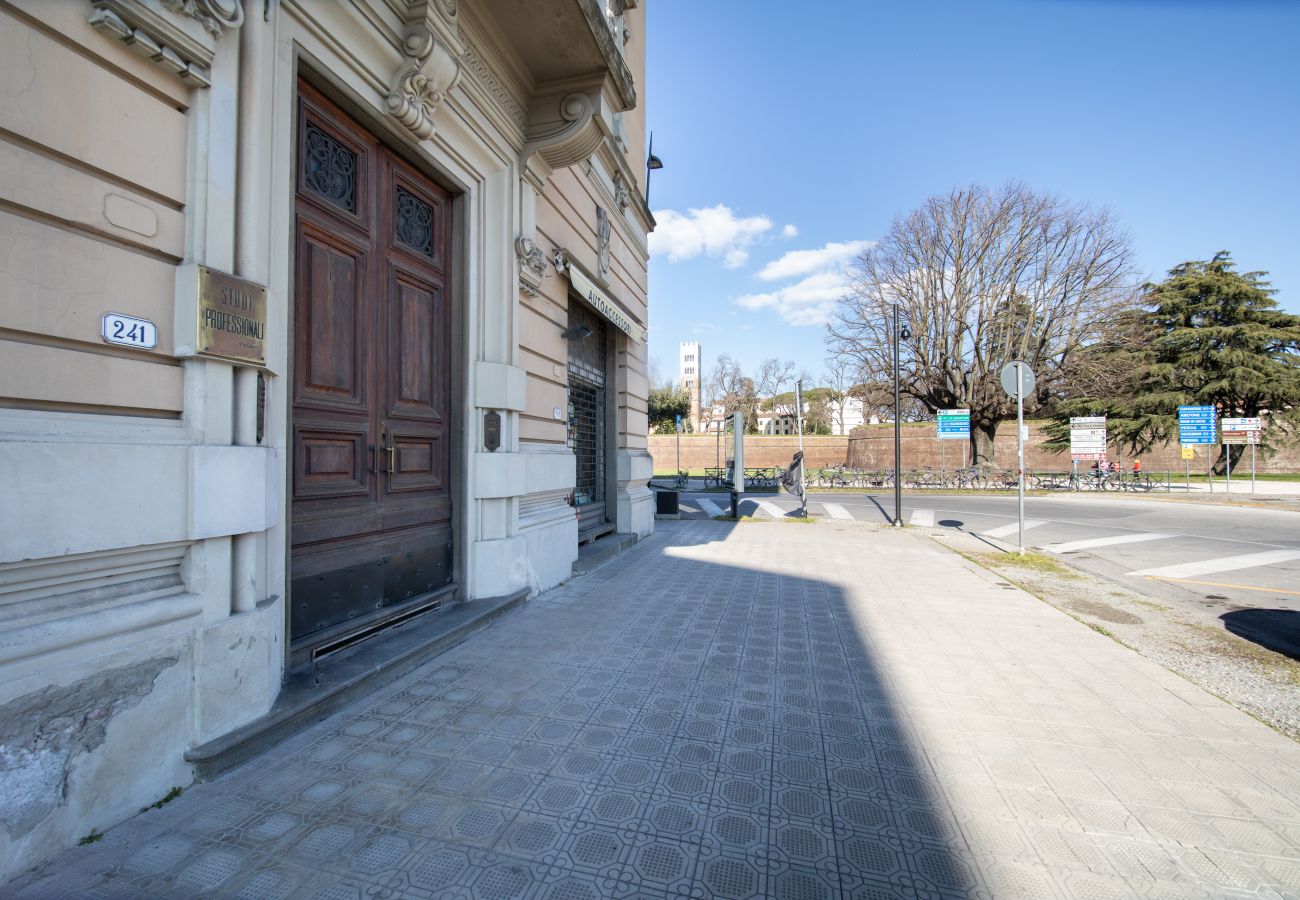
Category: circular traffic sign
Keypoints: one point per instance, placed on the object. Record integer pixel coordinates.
(1010, 372)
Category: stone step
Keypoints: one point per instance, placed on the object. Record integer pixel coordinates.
(597, 553)
(347, 676)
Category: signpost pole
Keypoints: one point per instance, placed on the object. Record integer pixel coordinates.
(1252, 466)
(1023, 376)
(1188, 463)
(943, 468)
(1229, 449)
(898, 445)
(1020, 448)
(1209, 469)
(679, 445)
(798, 411)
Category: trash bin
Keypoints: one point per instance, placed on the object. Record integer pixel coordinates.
(665, 503)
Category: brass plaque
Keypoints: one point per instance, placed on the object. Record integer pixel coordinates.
(231, 318)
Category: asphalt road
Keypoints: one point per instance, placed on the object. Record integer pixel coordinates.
(1239, 565)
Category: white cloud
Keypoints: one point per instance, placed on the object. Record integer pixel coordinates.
(809, 301)
(801, 262)
(789, 231)
(713, 231)
(816, 281)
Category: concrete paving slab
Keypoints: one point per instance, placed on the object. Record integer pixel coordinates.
(746, 709)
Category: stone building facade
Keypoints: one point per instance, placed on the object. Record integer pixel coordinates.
(314, 316)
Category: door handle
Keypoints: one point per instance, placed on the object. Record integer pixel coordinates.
(373, 461)
(392, 459)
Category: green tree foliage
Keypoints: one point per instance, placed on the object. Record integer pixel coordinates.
(665, 404)
(1206, 335)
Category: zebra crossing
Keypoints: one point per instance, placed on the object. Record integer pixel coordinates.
(1056, 537)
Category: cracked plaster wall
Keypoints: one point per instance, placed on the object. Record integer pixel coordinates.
(44, 733)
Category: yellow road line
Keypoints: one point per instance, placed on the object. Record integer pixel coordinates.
(1238, 587)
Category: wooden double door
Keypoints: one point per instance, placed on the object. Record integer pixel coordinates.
(371, 417)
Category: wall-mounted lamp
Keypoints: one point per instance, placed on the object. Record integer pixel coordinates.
(652, 162)
(576, 332)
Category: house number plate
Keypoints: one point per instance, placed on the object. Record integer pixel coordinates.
(128, 330)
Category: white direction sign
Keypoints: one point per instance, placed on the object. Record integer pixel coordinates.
(1087, 437)
(1246, 430)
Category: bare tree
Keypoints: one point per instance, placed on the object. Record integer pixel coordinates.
(984, 277)
(841, 376)
(728, 386)
(773, 375)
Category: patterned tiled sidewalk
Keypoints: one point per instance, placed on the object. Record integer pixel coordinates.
(763, 709)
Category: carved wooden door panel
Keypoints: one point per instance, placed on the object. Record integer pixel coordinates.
(370, 509)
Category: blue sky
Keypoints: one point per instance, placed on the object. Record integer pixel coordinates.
(792, 128)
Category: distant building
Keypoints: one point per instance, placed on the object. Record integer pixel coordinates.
(772, 423)
(847, 414)
(689, 365)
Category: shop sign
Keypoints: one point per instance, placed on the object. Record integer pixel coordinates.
(231, 318)
(599, 300)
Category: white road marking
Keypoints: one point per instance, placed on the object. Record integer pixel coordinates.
(686, 506)
(835, 511)
(1222, 564)
(1089, 544)
(922, 518)
(1007, 530)
(770, 508)
(710, 507)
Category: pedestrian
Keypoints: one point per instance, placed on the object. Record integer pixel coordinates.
(1137, 466)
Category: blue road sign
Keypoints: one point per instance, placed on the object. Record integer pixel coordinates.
(951, 424)
(1197, 425)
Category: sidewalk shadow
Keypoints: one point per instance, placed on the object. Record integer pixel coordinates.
(1273, 629)
(666, 723)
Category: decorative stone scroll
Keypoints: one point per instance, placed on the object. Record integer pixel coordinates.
(602, 241)
(621, 194)
(214, 15)
(532, 266)
(564, 128)
(431, 67)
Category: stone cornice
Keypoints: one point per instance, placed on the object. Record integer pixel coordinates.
(176, 35)
(476, 62)
(620, 76)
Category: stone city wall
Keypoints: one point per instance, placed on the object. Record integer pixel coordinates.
(701, 451)
(872, 447)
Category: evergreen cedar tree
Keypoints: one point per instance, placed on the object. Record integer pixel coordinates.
(1205, 335)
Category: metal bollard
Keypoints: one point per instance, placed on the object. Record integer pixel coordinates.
(735, 504)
